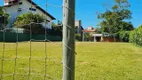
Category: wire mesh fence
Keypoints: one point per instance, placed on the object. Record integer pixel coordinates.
(32, 54)
(30, 60)
(27, 54)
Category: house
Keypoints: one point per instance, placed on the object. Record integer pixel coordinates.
(94, 36)
(17, 7)
(89, 30)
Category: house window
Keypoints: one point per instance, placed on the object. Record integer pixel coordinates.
(32, 9)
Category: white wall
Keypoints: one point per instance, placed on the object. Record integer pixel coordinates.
(12, 10)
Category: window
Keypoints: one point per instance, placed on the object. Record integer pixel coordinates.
(32, 9)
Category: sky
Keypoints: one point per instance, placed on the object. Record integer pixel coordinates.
(86, 10)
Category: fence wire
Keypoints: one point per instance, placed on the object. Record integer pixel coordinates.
(12, 57)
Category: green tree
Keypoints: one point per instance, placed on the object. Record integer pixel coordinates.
(124, 33)
(57, 28)
(4, 18)
(88, 36)
(113, 20)
(98, 30)
(78, 37)
(59, 22)
(126, 26)
(30, 20)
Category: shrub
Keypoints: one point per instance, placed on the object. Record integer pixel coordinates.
(136, 36)
(88, 36)
(78, 37)
(35, 21)
(4, 18)
(124, 36)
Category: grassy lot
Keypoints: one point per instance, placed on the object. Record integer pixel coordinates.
(94, 61)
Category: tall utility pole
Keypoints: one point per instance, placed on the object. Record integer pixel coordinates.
(68, 40)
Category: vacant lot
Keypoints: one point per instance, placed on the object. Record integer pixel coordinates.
(94, 61)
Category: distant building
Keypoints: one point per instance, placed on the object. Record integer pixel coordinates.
(78, 27)
(17, 7)
(89, 29)
(94, 36)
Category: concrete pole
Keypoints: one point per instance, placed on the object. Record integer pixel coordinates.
(68, 40)
(95, 39)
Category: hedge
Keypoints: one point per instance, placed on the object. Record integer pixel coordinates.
(78, 37)
(136, 36)
(12, 37)
(124, 36)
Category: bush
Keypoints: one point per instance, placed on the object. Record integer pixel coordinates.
(78, 37)
(136, 36)
(35, 21)
(124, 36)
(4, 18)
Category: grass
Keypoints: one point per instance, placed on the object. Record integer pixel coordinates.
(94, 61)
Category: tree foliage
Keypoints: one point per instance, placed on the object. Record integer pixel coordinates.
(4, 18)
(124, 36)
(78, 37)
(30, 20)
(136, 36)
(57, 28)
(98, 30)
(88, 36)
(114, 19)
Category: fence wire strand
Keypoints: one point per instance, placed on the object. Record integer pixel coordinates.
(16, 54)
(45, 62)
